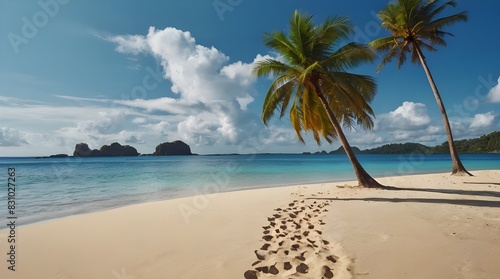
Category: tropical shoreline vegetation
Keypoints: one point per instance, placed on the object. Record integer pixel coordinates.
(489, 143)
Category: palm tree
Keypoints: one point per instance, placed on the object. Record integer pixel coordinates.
(414, 26)
(312, 77)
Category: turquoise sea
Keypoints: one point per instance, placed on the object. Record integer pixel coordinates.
(57, 187)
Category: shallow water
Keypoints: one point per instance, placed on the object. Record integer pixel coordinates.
(57, 187)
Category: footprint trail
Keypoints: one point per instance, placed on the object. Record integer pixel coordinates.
(294, 245)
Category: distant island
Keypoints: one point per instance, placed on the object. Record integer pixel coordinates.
(116, 149)
(172, 148)
(485, 144)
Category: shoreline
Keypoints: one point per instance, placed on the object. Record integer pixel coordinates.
(225, 190)
(371, 233)
(147, 197)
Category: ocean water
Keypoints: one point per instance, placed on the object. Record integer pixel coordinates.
(57, 187)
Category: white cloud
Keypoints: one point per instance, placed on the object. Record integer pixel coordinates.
(199, 129)
(161, 128)
(24, 114)
(133, 44)
(245, 101)
(478, 125)
(409, 116)
(242, 72)
(11, 137)
(363, 139)
(165, 104)
(407, 123)
(428, 134)
(280, 135)
(139, 120)
(130, 137)
(107, 123)
(411, 123)
(80, 99)
(481, 121)
(213, 94)
(494, 94)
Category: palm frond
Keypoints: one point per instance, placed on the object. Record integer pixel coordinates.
(333, 30)
(296, 119)
(277, 97)
(386, 43)
(414, 22)
(301, 34)
(270, 67)
(435, 11)
(279, 42)
(447, 21)
(348, 57)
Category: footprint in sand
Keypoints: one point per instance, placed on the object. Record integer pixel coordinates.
(267, 237)
(327, 272)
(250, 274)
(301, 257)
(302, 268)
(300, 250)
(260, 256)
(332, 259)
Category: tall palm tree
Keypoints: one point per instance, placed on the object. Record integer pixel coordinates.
(312, 76)
(414, 26)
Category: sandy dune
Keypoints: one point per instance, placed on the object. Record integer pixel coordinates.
(429, 226)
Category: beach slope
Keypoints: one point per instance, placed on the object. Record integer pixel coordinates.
(427, 226)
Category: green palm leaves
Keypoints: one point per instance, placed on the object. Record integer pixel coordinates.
(413, 24)
(313, 61)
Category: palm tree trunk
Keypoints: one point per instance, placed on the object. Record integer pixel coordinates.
(364, 179)
(457, 166)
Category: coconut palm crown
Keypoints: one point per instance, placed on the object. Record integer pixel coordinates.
(415, 25)
(311, 78)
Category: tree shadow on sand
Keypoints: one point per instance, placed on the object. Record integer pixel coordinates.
(478, 203)
(484, 183)
(457, 201)
(451, 191)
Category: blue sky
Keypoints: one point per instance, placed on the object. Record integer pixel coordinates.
(146, 72)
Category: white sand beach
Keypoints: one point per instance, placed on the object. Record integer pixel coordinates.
(431, 226)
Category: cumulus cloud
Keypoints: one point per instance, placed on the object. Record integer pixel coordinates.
(108, 123)
(212, 93)
(494, 94)
(161, 128)
(408, 116)
(481, 121)
(409, 122)
(11, 137)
